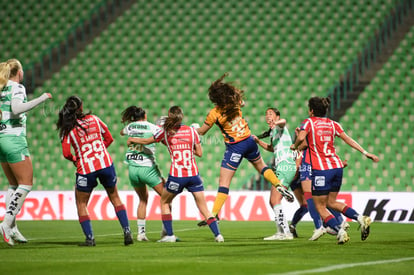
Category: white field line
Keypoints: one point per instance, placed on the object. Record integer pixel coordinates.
(343, 266)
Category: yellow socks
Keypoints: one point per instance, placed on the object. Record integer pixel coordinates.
(221, 198)
(270, 176)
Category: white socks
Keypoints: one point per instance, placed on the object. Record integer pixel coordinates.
(14, 201)
(280, 219)
(141, 226)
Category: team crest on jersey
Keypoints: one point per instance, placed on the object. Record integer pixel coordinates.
(174, 140)
(320, 181)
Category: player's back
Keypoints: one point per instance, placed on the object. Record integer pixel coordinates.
(87, 141)
(322, 133)
(233, 131)
(181, 148)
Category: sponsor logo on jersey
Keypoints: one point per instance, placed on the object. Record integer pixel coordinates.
(82, 181)
(320, 181)
(173, 186)
(235, 157)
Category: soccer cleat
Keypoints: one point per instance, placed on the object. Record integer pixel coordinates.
(292, 230)
(163, 232)
(17, 236)
(168, 239)
(204, 223)
(88, 242)
(7, 234)
(342, 236)
(364, 224)
(285, 193)
(317, 233)
(219, 238)
(128, 238)
(142, 238)
(330, 231)
(279, 237)
(345, 225)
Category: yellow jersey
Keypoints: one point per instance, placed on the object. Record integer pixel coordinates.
(233, 131)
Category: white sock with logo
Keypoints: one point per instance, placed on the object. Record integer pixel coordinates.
(9, 194)
(280, 219)
(15, 203)
(141, 226)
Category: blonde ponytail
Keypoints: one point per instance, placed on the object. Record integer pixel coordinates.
(4, 74)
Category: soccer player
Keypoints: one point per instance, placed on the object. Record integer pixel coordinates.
(142, 167)
(89, 137)
(284, 167)
(227, 115)
(14, 153)
(183, 143)
(327, 167)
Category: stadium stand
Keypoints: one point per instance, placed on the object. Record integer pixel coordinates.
(160, 53)
(384, 126)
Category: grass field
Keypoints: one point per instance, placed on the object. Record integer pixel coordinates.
(53, 249)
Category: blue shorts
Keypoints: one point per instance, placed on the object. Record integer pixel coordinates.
(326, 181)
(305, 171)
(176, 185)
(295, 184)
(106, 176)
(235, 152)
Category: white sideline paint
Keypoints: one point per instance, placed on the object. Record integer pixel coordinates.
(106, 235)
(343, 266)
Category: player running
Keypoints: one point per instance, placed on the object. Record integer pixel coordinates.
(327, 167)
(284, 167)
(227, 115)
(142, 167)
(14, 153)
(89, 138)
(183, 143)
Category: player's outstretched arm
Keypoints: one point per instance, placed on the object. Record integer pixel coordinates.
(144, 141)
(18, 106)
(203, 129)
(351, 142)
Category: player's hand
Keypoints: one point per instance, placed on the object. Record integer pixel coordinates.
(49, 95)
(292, 147)
(345, 163)
(373, 157)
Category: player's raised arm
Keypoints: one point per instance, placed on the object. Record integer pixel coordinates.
(203, 129)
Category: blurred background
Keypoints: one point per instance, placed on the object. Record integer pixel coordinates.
(155, 54)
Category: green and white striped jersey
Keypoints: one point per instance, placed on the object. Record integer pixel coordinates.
(281, 142)
(138, 154)
(12, 124)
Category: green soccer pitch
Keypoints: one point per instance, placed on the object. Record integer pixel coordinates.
(53, 249)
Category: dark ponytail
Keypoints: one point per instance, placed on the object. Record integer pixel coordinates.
(133, 113)
(174, 119)
(68, 116)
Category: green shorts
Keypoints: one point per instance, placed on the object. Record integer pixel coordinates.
(13, 149)
(140, 176)
(285, 172)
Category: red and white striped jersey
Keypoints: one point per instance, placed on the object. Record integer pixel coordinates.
(89, 145)
(181, 148)
(321, 134)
